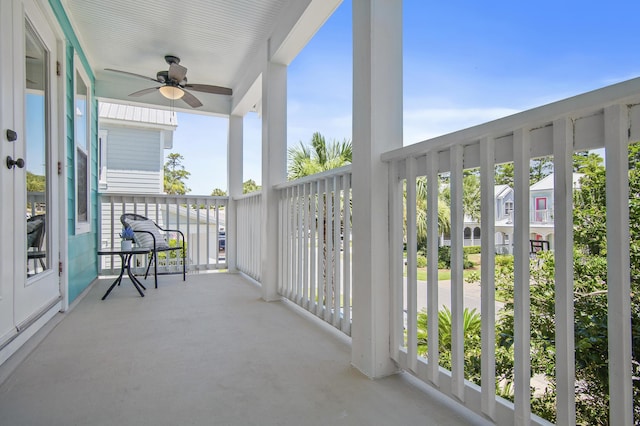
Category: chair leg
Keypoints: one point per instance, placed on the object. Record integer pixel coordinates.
(146, 274)
(155, 267)
(184, 264)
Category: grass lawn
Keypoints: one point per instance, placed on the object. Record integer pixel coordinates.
(445, 274)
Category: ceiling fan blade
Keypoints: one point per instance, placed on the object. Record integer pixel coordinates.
(191, 100)
(177, 72)
(144, 91)
(206, 88)
(132, 74)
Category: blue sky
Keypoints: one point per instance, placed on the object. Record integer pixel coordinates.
(464, 63)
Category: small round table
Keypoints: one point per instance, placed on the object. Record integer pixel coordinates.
(125, 256)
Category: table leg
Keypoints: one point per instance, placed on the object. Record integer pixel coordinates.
(117, 280)
(134, 280)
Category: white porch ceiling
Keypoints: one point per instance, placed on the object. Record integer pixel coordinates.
(219, 41)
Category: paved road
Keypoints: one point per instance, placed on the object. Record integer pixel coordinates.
(471, 296)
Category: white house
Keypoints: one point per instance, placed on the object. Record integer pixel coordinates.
(541, 219)
(503, 197)
(132, 142)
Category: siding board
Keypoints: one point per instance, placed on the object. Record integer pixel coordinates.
(133, 149)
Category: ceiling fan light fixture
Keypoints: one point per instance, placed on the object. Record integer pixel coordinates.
(171, 92)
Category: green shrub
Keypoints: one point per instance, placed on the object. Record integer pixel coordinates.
(173, 254)
(444, 258)
(421, 261)
(472, 277)
(504, 260)
(472, 250)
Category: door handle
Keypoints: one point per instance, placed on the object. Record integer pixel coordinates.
(11, 135)
(11, 163)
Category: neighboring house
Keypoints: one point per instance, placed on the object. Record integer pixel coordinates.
(503, 195)
(541, 224)
(504, 217)
(131, 144)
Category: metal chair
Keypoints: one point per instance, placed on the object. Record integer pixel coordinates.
(150, 235)
(35, 240)
(538, 245)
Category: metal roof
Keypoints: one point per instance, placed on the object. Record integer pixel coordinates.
(137, 114)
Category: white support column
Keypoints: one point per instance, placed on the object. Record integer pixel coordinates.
(377, 127)
(274, 170)
(616, 142)
(234, 182)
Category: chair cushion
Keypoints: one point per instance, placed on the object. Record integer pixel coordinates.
(145, 240)
(34, 229)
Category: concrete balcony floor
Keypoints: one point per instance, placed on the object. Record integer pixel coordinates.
(205, 352)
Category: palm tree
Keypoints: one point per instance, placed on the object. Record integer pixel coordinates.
(307, 160)
(444, 213)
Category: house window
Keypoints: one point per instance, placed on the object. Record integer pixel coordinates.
(508, 207)
(82, 126)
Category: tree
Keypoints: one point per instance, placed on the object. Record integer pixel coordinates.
(504, 174)
(586, 162)
(249, 186)
(175, 175)
(444, 213)
(470, 194)
(471, 327)
(539, 169)
(35, 183)
(590, 299)
(218, 193)
(319, 157)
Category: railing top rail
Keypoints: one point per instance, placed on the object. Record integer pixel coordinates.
(578, 106)
(313, 178)
(248, 195)
(161, 196)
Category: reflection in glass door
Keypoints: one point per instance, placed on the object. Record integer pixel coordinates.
(37, 143)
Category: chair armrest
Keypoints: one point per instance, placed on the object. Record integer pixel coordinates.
(150, 233)
(173, 230)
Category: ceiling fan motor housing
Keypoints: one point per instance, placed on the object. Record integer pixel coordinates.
(172, 59)
(162, 76)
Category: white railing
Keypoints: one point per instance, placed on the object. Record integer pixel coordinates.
(315, 245)
(607, 118)
(248, 242)
(200, 218)
(36, 202)
(542, 216)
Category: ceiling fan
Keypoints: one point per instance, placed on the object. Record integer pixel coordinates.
(174, 83)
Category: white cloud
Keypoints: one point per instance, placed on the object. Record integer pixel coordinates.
(426, 123)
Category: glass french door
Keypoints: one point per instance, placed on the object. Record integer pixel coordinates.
(30, 219)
